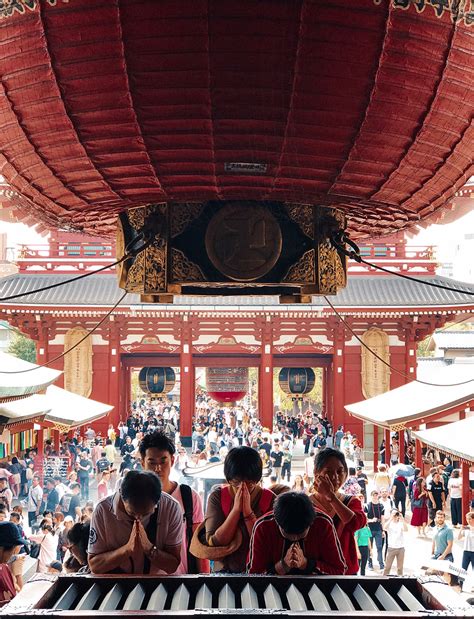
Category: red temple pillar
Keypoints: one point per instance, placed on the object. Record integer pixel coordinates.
(338, 377)
(127, 377)
(265, 381)
(113, 359)
(466, 490)
(329, 399)
(124, 398)
(418, 455)
(376, 447)
(387, 447)
(401, 446)
(56, 441)
(326, 407)
(39, 458)
(40, 442)
(410, 354)
(187, 399)
(42, 352)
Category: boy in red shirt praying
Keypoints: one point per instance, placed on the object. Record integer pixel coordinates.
(295, 539)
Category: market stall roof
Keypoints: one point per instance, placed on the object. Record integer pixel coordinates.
(363, 105)
(14, 386)
(456, 340)
(452, 438)
(57, 407)
(415, 401)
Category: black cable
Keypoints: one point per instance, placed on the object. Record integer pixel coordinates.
(339, 240)
(132, 249)
(13, 329)
(63, 354)
(449, 325)
(68, 281)
(344, 322)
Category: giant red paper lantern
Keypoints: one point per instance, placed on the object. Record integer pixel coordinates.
(227, 385)
(363, 105)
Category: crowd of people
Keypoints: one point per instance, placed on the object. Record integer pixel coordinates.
(262, 519)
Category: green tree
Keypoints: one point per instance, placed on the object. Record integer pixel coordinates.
(463, 325)
(23, 348)
(425, 348)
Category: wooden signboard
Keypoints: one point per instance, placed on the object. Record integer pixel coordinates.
(78, 363)
(375, 374)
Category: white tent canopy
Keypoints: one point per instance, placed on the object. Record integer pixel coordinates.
(415, 401)
(24, 383)
(455, 438)
(56, 406)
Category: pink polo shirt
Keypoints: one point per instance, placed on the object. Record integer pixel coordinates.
(111, 527)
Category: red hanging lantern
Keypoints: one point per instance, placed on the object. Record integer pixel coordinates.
(227, 385)
(364, 106)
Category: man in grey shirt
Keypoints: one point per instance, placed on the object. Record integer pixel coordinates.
(136, 530)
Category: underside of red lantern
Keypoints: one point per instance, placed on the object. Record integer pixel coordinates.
(227, 385)
(227, 397)
(361, 106)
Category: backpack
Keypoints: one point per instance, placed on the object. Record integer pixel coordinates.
(151, 534)
(187, 496)
(102, 465)
(265, 503)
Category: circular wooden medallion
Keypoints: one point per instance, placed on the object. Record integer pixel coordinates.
(243, 241)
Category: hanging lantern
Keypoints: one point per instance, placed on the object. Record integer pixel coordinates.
(355, 132)
(156, 381)
(296, 381)
(227, 385)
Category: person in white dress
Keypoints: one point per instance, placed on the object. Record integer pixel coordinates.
(455, 494)
(49, 545)
(309, 469)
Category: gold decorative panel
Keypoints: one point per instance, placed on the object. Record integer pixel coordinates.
(302, 214)
(183, 270)
(145, 273)
(303, 270)
(181, 215)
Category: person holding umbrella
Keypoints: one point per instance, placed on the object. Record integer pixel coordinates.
(399, 487)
